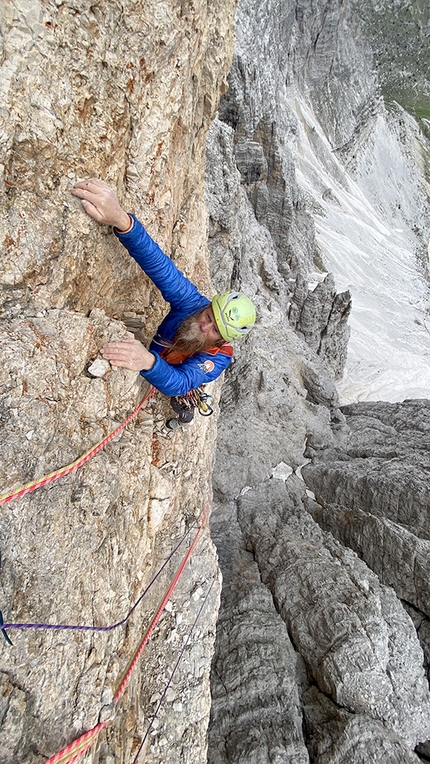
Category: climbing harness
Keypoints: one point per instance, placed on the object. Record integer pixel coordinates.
(200, 400)
(185, 405)
(196, 399)
(17, 493)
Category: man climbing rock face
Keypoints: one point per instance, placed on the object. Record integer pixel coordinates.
(192, 345)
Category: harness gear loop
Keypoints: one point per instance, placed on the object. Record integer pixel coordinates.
(195, 399)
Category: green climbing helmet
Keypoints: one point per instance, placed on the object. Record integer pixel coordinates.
(234, 314)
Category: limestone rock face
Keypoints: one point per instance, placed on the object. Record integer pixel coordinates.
(359, 644)
(294, 128)
(259, 719)
(373, 494)
(385, 455)
(323, 635)
(336, 735)
(124, 92)
(284, 407)
(320, 317)
(82, 550)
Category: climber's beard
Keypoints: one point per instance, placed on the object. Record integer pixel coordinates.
(189, 339)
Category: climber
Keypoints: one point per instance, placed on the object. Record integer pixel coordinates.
(192, 344)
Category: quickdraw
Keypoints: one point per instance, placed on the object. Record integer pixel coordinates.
(197, 399)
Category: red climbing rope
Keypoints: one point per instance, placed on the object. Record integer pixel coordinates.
(180, 656)
(75, 749)
(154, 621)
(17, 493)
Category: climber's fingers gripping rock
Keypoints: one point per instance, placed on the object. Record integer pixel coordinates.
(101, 203)
(129, 353)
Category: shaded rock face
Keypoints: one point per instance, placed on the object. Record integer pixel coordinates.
(253, 641)
(320, 317)
(392, 435)
(335, 735)
(258, 108)
(354, 662)
(354, 634)
(124, 92)
(383, 513)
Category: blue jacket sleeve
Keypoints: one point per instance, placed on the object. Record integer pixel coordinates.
(190, 374)
(173, 285)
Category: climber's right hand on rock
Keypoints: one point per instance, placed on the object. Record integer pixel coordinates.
(129, 353)
(101, 203)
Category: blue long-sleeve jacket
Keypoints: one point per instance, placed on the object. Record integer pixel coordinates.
(185, 300)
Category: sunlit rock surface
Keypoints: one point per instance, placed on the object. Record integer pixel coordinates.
(124, 92)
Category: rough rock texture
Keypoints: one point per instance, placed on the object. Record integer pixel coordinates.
(290, 408)
(82, 550)
(294, 127)
(320, 318)
(125, 92)
(359, 645)
(124, 111)
(400, 558)
(378, 502)
(317, 659)
(334, 735)
(385, 456)
(253, 641)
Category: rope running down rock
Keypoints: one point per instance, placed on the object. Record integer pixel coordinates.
(75, 749)
(17, 493)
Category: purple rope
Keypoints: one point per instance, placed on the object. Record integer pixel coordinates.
(173, 673)
(65, 627)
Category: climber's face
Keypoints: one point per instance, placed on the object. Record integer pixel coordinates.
(197, 333)
(207, 325)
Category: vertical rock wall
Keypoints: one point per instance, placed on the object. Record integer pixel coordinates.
(337, 674)
(125, 92)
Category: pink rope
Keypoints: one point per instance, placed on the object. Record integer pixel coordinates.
(79, 746)
(17, 493)
(74, 750)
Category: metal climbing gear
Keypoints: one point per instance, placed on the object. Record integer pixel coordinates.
(202, 403)
(193, 399)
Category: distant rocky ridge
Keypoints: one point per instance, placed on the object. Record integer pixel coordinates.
(320, 513)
